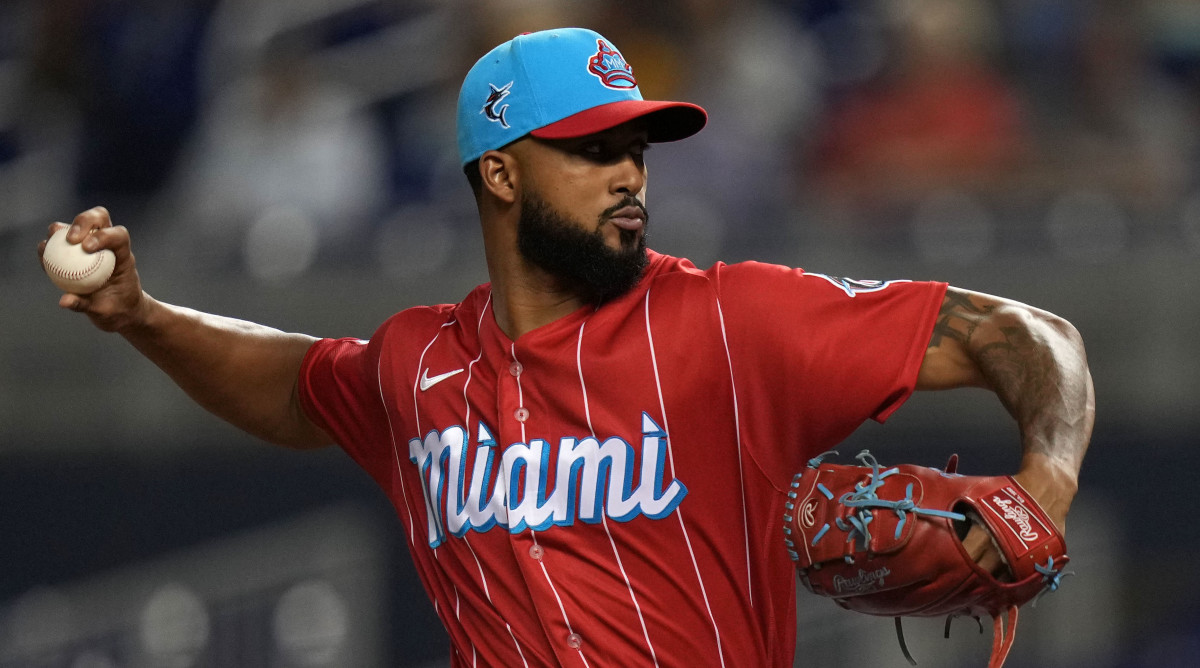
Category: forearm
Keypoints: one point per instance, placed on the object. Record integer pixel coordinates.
(242, 372)
(1036, 364)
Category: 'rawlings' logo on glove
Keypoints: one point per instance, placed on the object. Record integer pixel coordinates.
(1013, 513)
(862, 583)
(1017, 517)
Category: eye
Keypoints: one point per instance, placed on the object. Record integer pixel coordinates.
(598, 151)
(602, 150)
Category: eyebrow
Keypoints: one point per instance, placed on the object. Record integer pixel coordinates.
(608, 136)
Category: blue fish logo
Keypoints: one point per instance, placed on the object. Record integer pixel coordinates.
(492, 109)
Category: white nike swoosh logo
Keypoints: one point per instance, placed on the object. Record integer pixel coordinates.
(427, 382)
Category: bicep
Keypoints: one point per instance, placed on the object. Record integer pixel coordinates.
(995, 343)
(949, 360)
(266, 370)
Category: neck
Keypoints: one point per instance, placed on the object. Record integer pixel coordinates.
(519, 311)
(525, 297)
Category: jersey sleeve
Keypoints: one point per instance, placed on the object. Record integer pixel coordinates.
(339, 391)
(818, 355)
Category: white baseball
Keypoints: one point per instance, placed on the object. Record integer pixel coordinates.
(73, 269)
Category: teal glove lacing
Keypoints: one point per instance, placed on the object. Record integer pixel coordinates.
(862, 500)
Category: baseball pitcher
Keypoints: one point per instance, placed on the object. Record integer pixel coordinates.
(594, 454)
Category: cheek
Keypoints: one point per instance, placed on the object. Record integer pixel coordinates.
(580, 198)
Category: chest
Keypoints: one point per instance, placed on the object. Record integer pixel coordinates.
(615, 420)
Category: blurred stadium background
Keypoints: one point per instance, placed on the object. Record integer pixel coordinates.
(1044, 150)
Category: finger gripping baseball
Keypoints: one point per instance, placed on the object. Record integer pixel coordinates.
(888, 541)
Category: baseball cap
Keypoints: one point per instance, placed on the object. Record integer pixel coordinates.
(555, 84)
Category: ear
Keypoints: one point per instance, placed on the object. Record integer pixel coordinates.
(499, 172)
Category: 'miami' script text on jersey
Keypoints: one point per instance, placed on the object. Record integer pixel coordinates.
(592, 480)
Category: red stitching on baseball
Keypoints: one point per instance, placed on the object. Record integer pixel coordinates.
(78, 274)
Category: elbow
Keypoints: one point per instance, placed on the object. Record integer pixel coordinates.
(1073, 352)
(1050, 330)
(1037, 351)
(1065, 329)
(1021, 341)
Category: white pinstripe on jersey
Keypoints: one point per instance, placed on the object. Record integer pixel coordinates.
(430, 507)
(737, 429)
(395, 451)
(471, 367)
(587, 411)
(671, 457)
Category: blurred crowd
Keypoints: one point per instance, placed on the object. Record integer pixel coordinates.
(264, 131)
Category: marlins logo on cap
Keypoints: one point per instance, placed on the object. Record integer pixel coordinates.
(491, 109)
(610, 66)
(555, 84)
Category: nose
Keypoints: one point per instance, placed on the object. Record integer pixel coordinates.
(629, 174)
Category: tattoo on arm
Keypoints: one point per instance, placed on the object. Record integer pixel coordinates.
(1024, 359)
(957, 319)
(1024, 376)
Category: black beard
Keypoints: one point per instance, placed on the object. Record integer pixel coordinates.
(577, 257)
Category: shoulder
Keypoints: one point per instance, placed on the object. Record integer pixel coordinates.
(763, 285)
(669, 269)
(667, 275)
(417, 323)
(721, 277)
(681, 282)
(762, 279)
(662, 265)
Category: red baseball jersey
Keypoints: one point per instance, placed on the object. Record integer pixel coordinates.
(609, 489)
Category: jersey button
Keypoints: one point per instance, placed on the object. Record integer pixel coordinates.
(515, 368)
(574, 641)
(536, 552)
(522, 414)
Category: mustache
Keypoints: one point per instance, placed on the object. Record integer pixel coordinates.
(629, 200)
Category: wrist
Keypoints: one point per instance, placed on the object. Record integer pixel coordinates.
(1052, 482)
(143, 318)
(1056, 471)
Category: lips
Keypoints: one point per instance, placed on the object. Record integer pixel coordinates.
(628, 218)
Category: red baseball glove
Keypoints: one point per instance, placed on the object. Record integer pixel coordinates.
(889, 542)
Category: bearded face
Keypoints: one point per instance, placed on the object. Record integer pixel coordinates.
(576, 253)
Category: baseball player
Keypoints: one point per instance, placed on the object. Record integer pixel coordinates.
(590, 454)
